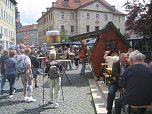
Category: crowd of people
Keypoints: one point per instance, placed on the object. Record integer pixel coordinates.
(26, 63)
(130, 73)
(133, 76)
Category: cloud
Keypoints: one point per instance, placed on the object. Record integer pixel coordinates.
(31, 10)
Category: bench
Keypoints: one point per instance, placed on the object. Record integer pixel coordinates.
(135, 108)
(106, 78)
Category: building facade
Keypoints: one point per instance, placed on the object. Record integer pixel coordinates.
(7, 23)
(27, 34)
(73, 17)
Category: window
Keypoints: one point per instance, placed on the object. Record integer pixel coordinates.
(72, 28)
(62, 27)
(110, 45)
(106, 16)
(118, 19)
(62, 15)
(88, 28)
(97, 16)
(97, 5)
(96, 28)
(1, 30)
(72, 16)
(88, 15)
(49, 17)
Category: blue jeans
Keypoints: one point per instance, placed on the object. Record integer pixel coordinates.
(113, 87)
(83, 62)
(11, 78)
(119, 102)
(3, 82)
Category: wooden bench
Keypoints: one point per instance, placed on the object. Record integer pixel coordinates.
(106, 78)
(135, 108)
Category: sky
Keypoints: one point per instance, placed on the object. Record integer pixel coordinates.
(31, 10)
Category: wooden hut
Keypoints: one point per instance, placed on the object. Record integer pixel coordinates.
(108, 38)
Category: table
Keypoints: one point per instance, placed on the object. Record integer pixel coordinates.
(104, 64)
(64, 62)
(109, 70)
(40, 57)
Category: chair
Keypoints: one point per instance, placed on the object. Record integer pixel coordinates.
(106, 78)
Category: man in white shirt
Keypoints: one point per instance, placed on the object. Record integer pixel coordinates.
(111, 59)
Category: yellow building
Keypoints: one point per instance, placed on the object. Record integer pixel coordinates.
(7, 23)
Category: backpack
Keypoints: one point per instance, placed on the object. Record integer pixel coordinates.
(54, 72)
(21, 66)
(34, 61)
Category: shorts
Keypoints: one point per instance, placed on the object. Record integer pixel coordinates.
(34, 72)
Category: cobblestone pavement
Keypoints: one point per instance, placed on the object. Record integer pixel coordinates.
(77, 97)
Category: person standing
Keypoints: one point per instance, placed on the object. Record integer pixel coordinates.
(27, 77)
(76, 57)
(82, 57)
(10, 71)
(4, 56)
(117, 71)
(54, 80)
(35, 66)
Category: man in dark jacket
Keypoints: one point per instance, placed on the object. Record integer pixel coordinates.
(117, 70)
(4, 56)
(137, 83)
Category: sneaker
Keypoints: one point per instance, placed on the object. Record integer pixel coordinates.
(56, 105)
(10, 96)
(30, 99)
(14, 90)
(50, 101)
(36, 86)
(109, 112)
(25, 98)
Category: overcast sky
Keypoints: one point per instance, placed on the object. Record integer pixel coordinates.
(30, 10)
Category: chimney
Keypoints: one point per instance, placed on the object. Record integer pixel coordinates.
(47, 9)
(53, 4)
(43, 13)
(66, 3)
(113, 8)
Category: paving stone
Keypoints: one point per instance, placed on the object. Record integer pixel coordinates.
(77, 97)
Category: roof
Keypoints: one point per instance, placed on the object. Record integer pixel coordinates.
(97, 33)
(14, 2)
(27, 28)
(73, 5)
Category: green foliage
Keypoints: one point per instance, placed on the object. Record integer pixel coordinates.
(139, 17)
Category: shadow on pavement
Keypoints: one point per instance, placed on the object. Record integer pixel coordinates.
(36, 110)
(7, 103)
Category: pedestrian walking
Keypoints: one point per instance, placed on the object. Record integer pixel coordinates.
(10, 71)
(27, 76)
(82, 56)
(4, 56)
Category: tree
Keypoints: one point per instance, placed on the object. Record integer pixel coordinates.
(139, 17)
